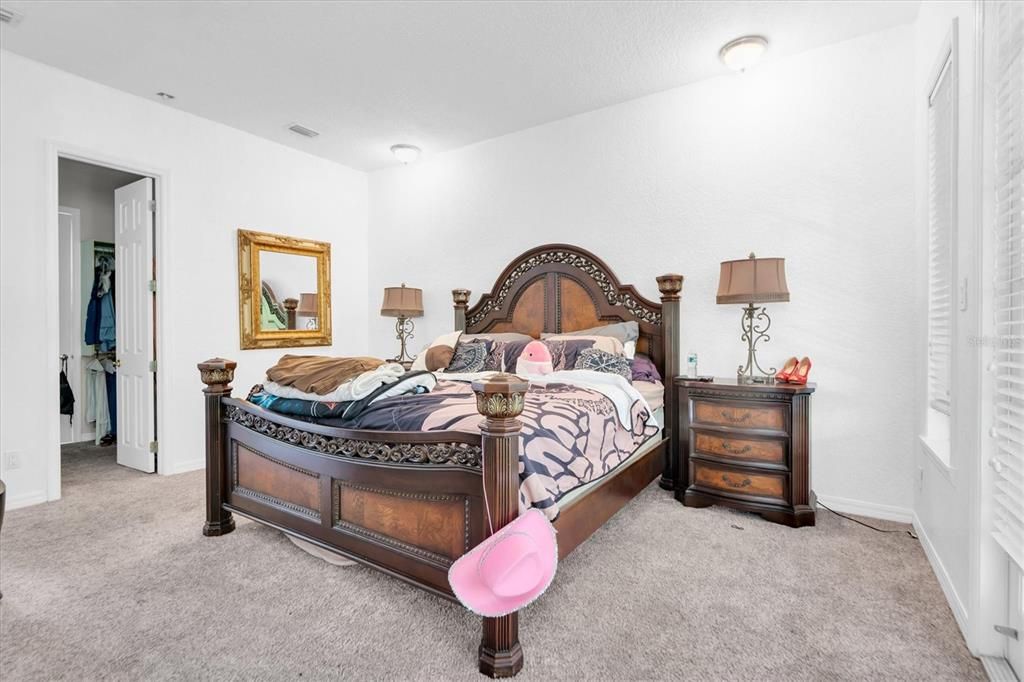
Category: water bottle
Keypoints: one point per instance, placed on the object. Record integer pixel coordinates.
(691, 365)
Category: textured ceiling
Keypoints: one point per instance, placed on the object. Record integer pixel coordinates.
(436, 74)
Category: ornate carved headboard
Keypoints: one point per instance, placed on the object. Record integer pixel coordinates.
(561, 288)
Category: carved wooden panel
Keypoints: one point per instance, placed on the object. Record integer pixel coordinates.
(527, 312)
(273, 482)
(576, 308)
(738, 482)
(767, 417)
(749, 449)
(431, 525)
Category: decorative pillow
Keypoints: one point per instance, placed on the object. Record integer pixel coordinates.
(469, 357)
(450, 340)
(438, 357)
(644, 369)
(565, 351)
(600, 361)
(609, 344)
(623, 331)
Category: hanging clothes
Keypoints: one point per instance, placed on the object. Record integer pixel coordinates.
(67, 396)
(111, 387)
(96, 390)
(100, 317)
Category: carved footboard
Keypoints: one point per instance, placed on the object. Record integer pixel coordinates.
(408, 504)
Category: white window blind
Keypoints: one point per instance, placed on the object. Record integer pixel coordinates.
(941, 207)
(1008, 305)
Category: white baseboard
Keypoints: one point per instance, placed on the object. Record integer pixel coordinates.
(945, 582)
(26, 500)
(187, 465)
(883, 512)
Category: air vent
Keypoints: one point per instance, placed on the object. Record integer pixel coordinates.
(302, 130)
(9, 16)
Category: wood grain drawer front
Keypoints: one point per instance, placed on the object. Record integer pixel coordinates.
(760, 417)
(739, 482)
(743, 449)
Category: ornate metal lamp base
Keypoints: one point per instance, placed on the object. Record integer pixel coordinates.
(755, 326)
(403, 332)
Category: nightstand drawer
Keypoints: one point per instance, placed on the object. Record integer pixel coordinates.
(738, 481)
(736, 416)
(729, 447)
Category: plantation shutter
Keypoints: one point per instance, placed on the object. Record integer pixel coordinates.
(1008, 397)
(941, 187)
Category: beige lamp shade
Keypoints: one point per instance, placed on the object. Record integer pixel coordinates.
(307, 305)
(402, 301)
(753, 280)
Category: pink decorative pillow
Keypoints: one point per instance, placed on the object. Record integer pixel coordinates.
(535, 359)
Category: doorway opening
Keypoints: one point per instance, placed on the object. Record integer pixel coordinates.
(107, 315)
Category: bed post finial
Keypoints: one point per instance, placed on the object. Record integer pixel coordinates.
(217, 374)
(671, 287)
(461, 299)
(500, 399)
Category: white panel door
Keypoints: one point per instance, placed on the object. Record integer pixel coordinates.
(133, 240)
(69, 226)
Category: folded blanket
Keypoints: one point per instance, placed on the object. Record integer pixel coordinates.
(354, 389)
(317, 374)
(413, 382)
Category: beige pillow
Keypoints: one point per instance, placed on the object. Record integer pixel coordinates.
(447, 340)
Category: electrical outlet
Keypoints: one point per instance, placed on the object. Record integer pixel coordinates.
(12, 460)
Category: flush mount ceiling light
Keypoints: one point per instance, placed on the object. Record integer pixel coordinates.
(406, 153)
(742, 53)
(165, 95)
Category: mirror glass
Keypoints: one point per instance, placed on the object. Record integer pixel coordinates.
(289, 291)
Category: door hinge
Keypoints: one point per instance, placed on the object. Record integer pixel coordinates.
(154, 446)
(152, 285)
(152, 205)
(152, 365)
(1006, 631)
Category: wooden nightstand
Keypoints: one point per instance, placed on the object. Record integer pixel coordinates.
(745, 446)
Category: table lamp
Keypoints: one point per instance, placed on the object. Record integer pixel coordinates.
(308, 308)
(753, 280)
(404, 303)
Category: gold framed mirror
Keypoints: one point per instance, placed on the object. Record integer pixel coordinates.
(284, 291)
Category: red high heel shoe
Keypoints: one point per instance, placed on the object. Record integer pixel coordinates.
(787, 369)
(799, 375)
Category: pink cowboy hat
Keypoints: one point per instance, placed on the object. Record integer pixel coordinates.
(509, 569)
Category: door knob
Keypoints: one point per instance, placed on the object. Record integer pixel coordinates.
(117, 362)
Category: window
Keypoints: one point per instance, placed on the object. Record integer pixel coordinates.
(942, 137)
(1008, 294)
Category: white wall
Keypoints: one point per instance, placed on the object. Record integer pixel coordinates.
(217, 180)
(810, 158)
(90, 189)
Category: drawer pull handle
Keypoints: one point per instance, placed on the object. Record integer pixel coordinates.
(735, 484)
(730, 417)
(734, 450)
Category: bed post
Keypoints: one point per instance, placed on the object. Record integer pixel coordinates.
(500, 400)
(461, 299)
(217, 374)
(670, 287)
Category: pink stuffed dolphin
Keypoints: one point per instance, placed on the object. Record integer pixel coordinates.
(535, 359)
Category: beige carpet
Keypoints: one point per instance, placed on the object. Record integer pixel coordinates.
(116, 581)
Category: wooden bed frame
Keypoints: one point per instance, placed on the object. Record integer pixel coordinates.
(409, 504)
